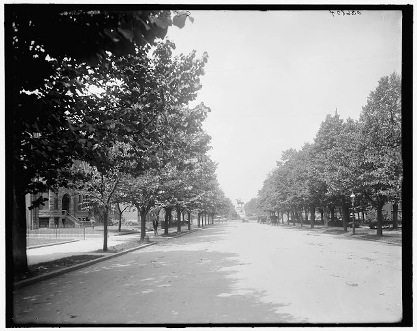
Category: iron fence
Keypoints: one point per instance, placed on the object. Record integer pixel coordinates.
(59, 232)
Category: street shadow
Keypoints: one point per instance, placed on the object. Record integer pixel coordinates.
(193, 284)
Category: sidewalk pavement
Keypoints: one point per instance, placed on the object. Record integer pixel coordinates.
(90, 246)
(73, 247)
(390, 236)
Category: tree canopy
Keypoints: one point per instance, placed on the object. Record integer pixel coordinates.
(54, 121)
(361, 157)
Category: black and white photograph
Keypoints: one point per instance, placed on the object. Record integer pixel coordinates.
(218, 165)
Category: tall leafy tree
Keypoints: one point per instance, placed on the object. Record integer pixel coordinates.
(381, 143)
(142, 193)
(100, 188)
(342, 173)
(324, 143)
(361, 157)
(148, 115)
(252, 207)
(40, 141)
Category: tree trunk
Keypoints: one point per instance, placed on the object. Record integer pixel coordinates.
(306, 214)
(313, 215)
(293, 217)
(395, 215)
(178, 220)
(205, 218)
(105, 222)
(326, 216)
(379, 219)
(321, 215)
(189, 220)
(143, 213)
(120, 217)
(198, 220)
(167, 217)
(345, 215)
(332, 213)
(20, 263)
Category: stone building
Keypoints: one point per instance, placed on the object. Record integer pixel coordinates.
(64, 208)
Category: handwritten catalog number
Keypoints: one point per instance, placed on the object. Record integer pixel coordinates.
(344, 12)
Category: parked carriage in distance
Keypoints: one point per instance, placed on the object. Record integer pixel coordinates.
(262, 219)
(274, 219)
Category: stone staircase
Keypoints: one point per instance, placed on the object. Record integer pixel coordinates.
(71, 219)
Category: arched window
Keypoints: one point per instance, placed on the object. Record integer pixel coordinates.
(66, 202)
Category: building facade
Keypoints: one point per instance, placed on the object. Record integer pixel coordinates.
(64, 208)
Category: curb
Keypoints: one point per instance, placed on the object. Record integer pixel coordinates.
(179, 235)
(53, 244)
(30, 281)
(36, 279)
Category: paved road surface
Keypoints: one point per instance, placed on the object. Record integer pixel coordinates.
(234, 273)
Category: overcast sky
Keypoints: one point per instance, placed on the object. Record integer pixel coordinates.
(273, 76)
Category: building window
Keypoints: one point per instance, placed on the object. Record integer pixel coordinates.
(43, 222)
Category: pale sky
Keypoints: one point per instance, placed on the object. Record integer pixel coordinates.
(273, 76)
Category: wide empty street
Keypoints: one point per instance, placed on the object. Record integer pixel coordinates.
(228, 273)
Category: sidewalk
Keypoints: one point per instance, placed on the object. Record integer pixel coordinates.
(83, 248)
(389, 236)
(92, 246)
(74, 247)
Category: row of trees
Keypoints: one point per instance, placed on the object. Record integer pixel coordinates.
(103, 107)
(362, 157)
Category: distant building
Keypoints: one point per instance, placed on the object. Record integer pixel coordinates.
(240, 209)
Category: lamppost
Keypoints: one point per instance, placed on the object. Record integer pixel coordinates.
(352, 197)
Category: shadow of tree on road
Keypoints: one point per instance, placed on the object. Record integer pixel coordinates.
(175, 282)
